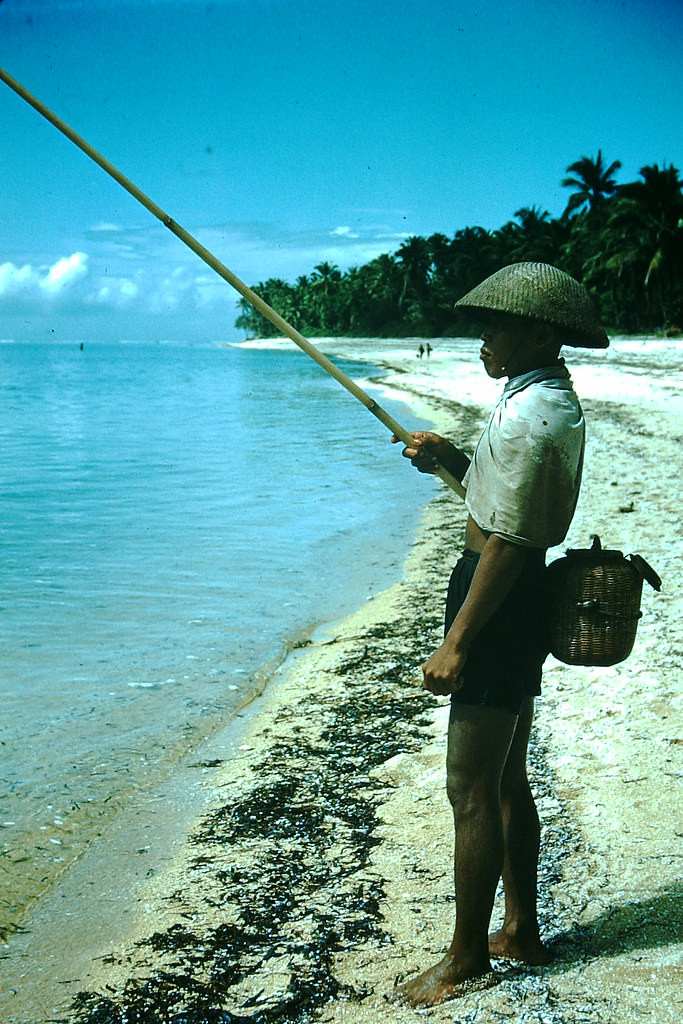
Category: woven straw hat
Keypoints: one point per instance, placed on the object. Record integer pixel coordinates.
(540, 292)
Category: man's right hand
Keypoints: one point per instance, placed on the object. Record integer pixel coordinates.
(429, 451)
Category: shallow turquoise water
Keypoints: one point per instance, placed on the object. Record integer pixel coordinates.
(172, 518)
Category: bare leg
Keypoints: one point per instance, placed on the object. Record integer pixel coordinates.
(478, 744)
(519, 937)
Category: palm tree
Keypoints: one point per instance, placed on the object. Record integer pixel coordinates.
(368, 302)
(325, 284)
(536, 239)
(279, 296)
(474, 257)
(303, 302)
(439, 247)
(438, 306)
(415, 260)
(644, 240)
(592, 182)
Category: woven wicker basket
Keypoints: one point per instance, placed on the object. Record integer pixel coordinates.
(595, 604)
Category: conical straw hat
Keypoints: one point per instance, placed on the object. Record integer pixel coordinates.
(540, 292)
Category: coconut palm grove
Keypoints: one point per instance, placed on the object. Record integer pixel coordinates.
(623, 241)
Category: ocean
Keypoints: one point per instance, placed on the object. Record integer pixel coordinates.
(175, 519)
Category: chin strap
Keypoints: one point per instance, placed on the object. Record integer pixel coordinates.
(504, 366)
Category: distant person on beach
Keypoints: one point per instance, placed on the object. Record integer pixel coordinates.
(428, 350)
(420, 351)
(522, 485)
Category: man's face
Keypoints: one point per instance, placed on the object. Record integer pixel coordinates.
(503, 347)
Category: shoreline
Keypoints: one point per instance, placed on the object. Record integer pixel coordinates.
(321, 869)
(154, 699)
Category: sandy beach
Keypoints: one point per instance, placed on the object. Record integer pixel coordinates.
(316, 864)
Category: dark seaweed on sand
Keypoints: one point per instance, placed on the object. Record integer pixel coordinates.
(309, 892)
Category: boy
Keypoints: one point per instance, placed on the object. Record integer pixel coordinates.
(522, 486)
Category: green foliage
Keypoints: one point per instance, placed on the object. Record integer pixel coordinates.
(625, 242)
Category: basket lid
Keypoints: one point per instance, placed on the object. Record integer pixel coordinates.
(595, 553)
(646, 571)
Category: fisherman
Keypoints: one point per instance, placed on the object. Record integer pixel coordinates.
(522, 485)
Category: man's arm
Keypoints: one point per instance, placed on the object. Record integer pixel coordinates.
(500, 565)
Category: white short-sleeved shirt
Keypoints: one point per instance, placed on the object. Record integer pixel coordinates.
(524, 478)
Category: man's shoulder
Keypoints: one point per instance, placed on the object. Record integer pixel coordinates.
(545, 394)
(542, 414)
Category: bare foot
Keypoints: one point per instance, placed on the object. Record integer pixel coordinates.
(443, 981)
(528, 949)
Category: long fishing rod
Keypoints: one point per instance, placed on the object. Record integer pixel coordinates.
(255, 300)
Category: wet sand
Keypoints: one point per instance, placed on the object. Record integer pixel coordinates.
(317, 869)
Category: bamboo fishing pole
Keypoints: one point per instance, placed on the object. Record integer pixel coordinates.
(204, 254)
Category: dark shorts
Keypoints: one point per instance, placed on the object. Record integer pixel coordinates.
(505, 660)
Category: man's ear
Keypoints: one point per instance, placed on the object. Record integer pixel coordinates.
(545, 339)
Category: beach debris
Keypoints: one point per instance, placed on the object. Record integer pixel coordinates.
(285, 863)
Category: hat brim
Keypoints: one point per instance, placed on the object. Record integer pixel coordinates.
(542, 293)
(571, 336)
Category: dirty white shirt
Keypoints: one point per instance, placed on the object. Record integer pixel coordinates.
(524, 478)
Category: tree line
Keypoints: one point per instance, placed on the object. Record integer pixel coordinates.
(623, 241)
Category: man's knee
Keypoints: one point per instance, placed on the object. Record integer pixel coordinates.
(468, 794)
(478, 743)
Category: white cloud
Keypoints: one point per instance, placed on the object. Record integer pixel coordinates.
(172, 291)
(30, 281)
(15, 279)
(116, 292)
(129, 289)
(64, 272)
(105, 227)
(344, 232)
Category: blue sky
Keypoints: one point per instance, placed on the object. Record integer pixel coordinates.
(286, 132)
